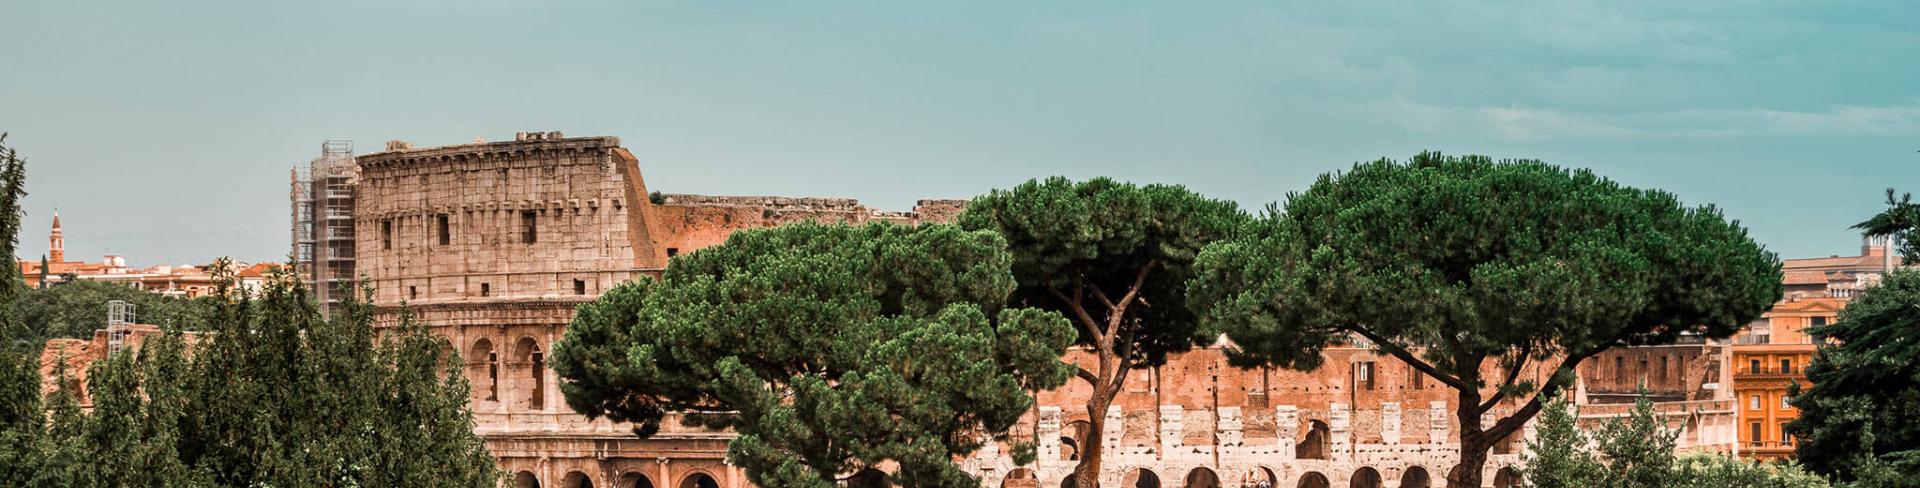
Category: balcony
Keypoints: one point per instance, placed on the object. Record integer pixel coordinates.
(1764, 372)
(1767, 448)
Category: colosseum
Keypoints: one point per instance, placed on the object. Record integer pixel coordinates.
(493, 244)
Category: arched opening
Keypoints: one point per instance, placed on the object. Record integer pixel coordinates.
(1202, 477)
(699, 480)
(1073, 438)
(869, 478)
(1140, 478)
(1366, 477)
(449, 356)
(1020, 478)
(525, 479)
(1506, 478)
(635, 480)
(1416, 477)
(527, 352)
(1314, 480)
(1258, 477)
(576, 479)
(483, 368)
(1316, 443)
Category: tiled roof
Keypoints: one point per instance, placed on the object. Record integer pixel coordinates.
(1804, 278)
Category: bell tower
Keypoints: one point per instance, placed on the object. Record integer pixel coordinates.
(56, 243)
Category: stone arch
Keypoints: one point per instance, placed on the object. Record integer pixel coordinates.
(869, 478)
(1366, 477)
(525, 479)
(1201, 477)
(1020, 478)
(1416, 477)
(483, 370)
(698, 479)
(634, 479)
(1140, 478)
(1316, 443)
(576, 479)
(528, 356)
(1073, 438)
(1258, 477)
(1313, 479)
(1506, 478)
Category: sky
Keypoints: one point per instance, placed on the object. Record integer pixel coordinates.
(164, 131)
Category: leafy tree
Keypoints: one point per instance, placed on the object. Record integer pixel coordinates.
(75, 309)
(1470, 270)
(23, 435)
(1114, 258)
(1638, 451)
(829, 349)
(1558, 457)
(1898, 221)
(1862, 413)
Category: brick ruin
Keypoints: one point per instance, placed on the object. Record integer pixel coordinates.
(494, 244)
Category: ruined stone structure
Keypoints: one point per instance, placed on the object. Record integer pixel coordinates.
(494, 244)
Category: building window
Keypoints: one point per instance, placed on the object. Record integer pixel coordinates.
(1786, 366)
(486, 289)
(1753, 433)
(1416, 378)
(1786, 402)
(1363, 375)
(1619, 369)
(529, 220)
(446, 230)
(1665, 363)
(386, 234)
(673, 251)
(579, 287)
(1753, 402)
(1785, 438)
(1819, 321)
(413, 293)
(1753, 366)
(493, 376)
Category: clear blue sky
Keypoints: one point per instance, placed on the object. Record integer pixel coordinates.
(164, 131)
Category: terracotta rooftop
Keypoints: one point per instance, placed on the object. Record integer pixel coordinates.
(1804, 278)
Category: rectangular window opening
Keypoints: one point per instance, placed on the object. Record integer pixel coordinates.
(486, 289)
(413, 293)
(579, 287)
(528, 222)
(446, 230)
(386, 234)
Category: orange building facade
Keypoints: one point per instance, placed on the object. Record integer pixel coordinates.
(1771, 354)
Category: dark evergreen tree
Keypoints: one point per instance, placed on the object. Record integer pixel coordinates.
(1898, 221)
(829, 349)
(1465, 266)
(1861, 417)
(1114, 258)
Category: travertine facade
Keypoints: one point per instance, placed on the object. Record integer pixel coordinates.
(494, 244)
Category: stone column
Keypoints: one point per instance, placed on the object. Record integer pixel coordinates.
(1437, 423)
(1340, 424)
(1172, 428)
(1048, 428)
(666, 476)
(1286, 426)
(1390, 423)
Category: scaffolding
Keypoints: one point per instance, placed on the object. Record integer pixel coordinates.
(120, 315)
(322, 195)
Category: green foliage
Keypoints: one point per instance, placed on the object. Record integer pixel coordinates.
(1861, 417)
(1559, 456)
(827, 348)
(1449, 263)
(1638, 452)
(1898, 221)
(1098, 237)
(75, 309)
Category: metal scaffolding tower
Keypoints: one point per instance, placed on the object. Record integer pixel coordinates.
(120, 314)
(322, 196)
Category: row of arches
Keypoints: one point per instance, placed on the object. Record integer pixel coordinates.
(576, 479)
(1203, 477)
(1316, 443)
(526, 364)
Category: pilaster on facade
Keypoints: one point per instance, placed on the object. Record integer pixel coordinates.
(1439, 423)
(1340, 424)
(1390, 423)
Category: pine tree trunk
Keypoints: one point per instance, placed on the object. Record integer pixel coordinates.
(1473, 456)
(1087, 475)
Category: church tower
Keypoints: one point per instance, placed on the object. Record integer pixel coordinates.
(56, 243)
